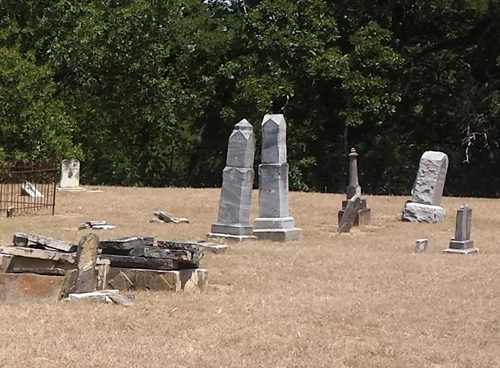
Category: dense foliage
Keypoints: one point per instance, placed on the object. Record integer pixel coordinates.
(146, 92)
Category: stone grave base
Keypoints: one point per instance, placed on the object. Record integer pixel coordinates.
(232, 229)
(281, 235)
(72, 189)
(461, 244)
(264, 223)
(461, 251)
(187, 280)
(363, 218)
(418, 212)
(21, 287)
(230, 237)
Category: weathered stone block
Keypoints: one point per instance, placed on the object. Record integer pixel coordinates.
(418, 212)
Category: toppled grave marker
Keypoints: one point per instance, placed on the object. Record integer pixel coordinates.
(350, 212)
(28, 189)
(163, 216)
(95, 225)
(43, 242)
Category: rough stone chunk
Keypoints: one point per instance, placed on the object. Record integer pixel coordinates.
(417, 212)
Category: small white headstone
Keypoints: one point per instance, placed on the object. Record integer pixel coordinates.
(70, 174)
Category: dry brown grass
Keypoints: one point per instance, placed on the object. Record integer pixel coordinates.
(354, 300)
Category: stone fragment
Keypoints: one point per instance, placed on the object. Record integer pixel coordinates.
(237, 183)
(274, 222)
(421, 245)
(462, 243)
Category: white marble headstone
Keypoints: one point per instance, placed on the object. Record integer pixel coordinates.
(70, 174)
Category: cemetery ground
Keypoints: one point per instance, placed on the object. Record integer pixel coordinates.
(362, 299)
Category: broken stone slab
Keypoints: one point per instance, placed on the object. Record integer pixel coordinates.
(417, 212)
(350, 213)
(180, 255)
(96, 225)
(141, 262)
(124, 245)
(28, 189)
(28, 287)
(188, 280)
(103, 296)
(39, 254)
(20, 240)
(215, 248)
(48, 242)
(164, 216)
(189, 246)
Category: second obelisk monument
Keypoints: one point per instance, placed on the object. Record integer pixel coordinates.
(274, 221)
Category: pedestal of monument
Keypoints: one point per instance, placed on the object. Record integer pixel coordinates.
(276, 229)
(363, 217)
(419, 212)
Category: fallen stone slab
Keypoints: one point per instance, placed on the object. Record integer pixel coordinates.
(103, 296)
(48, 242)
(215, 248)
(39, 254)
(22, 287)
(123, 246)
(29, 189)
(163, 216)
(141, 262)
(95, 225)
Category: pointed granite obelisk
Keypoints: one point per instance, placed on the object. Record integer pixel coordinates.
(237, 182)
(274, 221)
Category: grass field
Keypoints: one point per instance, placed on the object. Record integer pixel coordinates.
(353, 300)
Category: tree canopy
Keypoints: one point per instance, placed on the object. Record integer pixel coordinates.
(146, 92)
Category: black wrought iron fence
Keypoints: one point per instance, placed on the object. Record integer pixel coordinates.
(27, 189)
